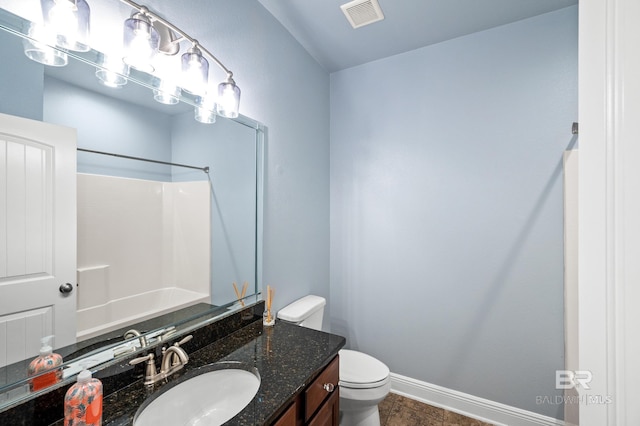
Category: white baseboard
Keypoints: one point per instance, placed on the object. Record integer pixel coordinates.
(468, 405)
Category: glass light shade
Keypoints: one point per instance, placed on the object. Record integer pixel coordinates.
(141, 42)
(195, 72)
(113, 72)
(228, 99)
(39, 49)
(70, 20)
(110, 78)
(167, 93)
(205, 111)
(167, 71)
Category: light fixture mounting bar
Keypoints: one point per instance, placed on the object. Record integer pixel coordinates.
(144, 10)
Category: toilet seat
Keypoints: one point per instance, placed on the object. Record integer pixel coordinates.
(370, 385)
(361, 371)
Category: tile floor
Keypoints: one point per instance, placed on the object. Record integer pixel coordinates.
(397, 410)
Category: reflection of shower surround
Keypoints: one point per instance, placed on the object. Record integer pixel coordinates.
(143, 249)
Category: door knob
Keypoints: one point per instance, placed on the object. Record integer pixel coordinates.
(66, 288)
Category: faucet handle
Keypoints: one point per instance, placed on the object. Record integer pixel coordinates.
(148, 358)
(150, 372)
(184, 340)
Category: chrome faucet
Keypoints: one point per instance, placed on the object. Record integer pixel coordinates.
(173, 359)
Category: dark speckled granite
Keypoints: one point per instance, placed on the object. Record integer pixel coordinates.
(287, 357)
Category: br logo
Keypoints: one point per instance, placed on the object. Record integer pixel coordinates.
(568, 379)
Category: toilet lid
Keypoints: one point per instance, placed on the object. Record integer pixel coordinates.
(357, 368)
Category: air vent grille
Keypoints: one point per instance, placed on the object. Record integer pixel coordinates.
(362, 12)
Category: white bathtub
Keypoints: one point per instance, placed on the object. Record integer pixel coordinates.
(119, 313)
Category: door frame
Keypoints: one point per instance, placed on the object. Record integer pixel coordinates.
(609, 210)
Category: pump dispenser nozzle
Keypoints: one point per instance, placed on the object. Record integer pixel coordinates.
(85, 374)
(46, 347)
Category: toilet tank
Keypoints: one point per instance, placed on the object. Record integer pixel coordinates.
(306, 312)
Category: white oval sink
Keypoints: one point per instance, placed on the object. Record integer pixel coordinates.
(209, 398)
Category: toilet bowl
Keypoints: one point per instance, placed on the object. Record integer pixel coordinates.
(364, 381)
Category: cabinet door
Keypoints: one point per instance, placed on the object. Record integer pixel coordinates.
(288, 418)
(329, 413)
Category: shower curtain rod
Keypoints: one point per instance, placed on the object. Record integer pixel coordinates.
(204, 169)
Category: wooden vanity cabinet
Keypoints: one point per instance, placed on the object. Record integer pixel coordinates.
(329, 412)
(318, 404)
(290, 417)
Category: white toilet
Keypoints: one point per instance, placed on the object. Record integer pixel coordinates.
(364, 380)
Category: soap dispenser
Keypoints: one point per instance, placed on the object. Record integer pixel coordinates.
(46, 361)
(83, 401)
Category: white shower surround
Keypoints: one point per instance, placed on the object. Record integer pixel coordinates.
(115, 314)
(143, 250)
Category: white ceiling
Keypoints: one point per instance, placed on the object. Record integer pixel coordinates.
(322, 29)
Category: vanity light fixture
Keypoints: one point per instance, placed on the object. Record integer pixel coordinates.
(69, 19)
(147, 37)
(195, 66)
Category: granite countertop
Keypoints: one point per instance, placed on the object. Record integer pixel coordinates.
(286, 356)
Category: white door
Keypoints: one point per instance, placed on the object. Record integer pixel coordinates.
(37, 236)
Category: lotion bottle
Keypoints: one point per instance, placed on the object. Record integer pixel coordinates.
(83, 401)
(46, 361)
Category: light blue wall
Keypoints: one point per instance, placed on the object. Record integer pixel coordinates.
(110, 125)
(446, 208)
(229, 149)
(21, 80)
(289, 92)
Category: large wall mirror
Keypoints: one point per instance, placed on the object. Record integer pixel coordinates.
(169, 210)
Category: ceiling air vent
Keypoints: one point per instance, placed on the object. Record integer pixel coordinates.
(362, 12)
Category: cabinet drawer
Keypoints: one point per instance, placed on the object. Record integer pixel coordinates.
(321, 388)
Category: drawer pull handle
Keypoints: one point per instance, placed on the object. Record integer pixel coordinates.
(329, 387)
